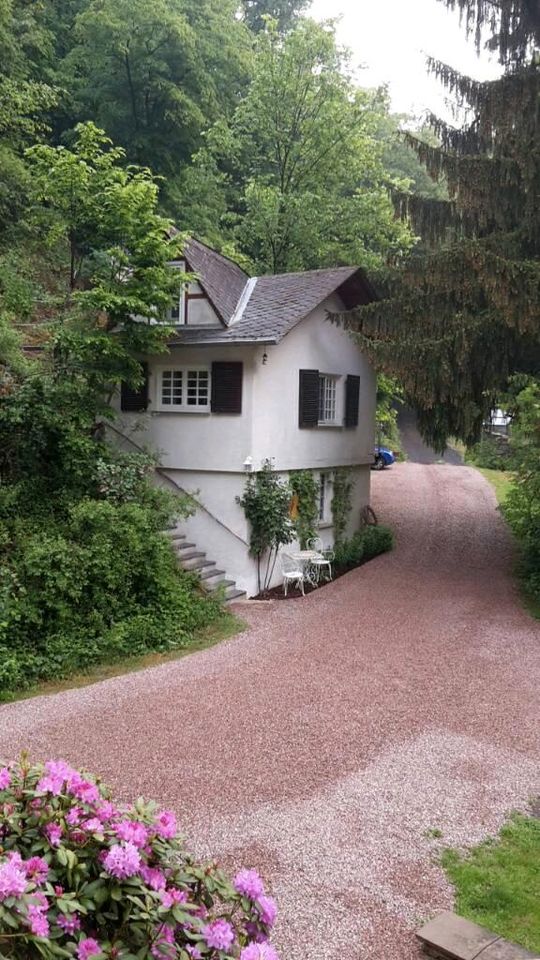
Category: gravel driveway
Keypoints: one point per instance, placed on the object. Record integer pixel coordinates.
(328, 743)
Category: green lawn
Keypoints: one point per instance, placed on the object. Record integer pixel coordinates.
(497, 884)
(500, 480)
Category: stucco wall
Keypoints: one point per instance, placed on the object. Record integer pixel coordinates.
(313, 344)
(197, 441)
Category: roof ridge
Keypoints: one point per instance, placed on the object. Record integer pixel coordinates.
(303, 273)
(219, 254)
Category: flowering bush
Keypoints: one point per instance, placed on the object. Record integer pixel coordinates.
(81, 877)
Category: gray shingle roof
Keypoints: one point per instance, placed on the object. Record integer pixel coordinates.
(276, 303)
(222, 279)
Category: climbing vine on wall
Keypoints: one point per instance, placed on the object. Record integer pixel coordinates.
(306, 489)
(341, 501)
(265, 503)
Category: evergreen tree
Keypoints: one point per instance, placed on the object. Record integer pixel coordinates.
(463, 314)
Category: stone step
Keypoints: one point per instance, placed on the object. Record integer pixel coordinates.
(218, 584)
(181, 545)
(450, 937)
(232, 593)
(198, 566)
(174, 534)
(194, 560)
(207, 573)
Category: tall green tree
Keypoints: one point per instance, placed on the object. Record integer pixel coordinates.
(24, 102)
(284, 12)
(462, 316)
(299, 167)
(153, 73)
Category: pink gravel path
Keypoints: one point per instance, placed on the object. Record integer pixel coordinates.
(326, 742)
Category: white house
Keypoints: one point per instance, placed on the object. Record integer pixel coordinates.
(255, 372)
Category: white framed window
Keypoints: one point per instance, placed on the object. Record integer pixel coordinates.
(327, 398)
(177, 311)
(322, 496)
(184, 389)
(325, 498)
(176, 315)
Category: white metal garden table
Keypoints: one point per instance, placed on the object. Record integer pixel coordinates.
(305, 558)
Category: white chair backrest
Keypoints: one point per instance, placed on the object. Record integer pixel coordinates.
(315, 544)
(289, 564)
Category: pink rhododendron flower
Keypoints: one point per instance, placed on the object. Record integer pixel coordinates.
(50, 785)
(36, 869)
(193, 951)
(5, 778)
(165, 824)
(172, 896)
(69, 924)
(267, 909)
(132, 831)
(219, 934)
(259, 951)
(153, 877)
(106, 810)
(163, 941)
(12, 880)
(73, 816)
(122, 861)
(249, 884)
(53, 832)
(39, 925)
(82, 789)
(93, 825)
(88, 948)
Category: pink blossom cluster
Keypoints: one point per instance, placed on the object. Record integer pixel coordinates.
(61, 815)
(249, 884)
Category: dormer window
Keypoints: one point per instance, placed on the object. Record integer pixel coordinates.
(177, 312)
(177, 315)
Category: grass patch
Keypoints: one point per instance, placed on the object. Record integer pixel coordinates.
(497, 884)
(500, 480)
(227, 626)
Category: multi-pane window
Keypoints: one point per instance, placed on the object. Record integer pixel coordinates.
(197, 388)
(327, 399)
(172, 388)
(185, 388)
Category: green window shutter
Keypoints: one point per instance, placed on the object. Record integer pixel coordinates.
(352, 401)
(227, 377)
(308, 405)
(135, 401)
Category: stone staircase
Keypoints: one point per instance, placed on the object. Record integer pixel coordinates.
(190, 558)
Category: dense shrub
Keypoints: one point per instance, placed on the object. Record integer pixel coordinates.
(362, 546)
(82, 877)
(99, 585)
(492, 453)
(522, 504)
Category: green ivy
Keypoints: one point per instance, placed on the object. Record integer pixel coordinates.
(341, 501)
(306, 487)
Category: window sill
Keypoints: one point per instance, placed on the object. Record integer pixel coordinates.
(325, 524)
(333, 425)
(182, 410)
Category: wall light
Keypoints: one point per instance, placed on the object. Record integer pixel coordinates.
(248, 464)
(264, 358)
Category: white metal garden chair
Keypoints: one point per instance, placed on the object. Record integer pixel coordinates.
(324, 561)
(292, 571)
